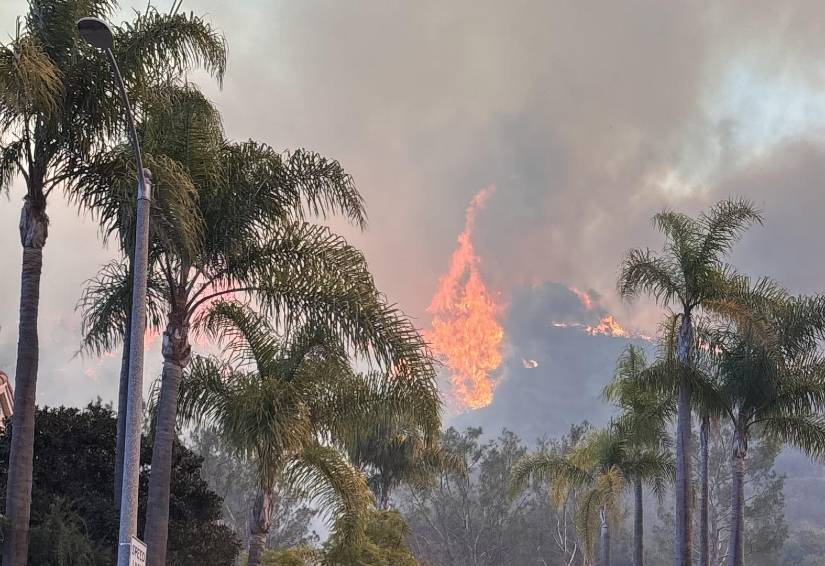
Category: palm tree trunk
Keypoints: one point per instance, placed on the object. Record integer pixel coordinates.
(33, 232)
(604, 539)
(384, 497)
(704, 532)
(123, 392)
(736, 547)
(176, 351)
(638, 526)
(684, 506)
(259, 525)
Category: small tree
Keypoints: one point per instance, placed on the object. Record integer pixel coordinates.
(74, 468)
(597, 470)
(285, 405)
(384, 543)
(645, 414)
(771, 379)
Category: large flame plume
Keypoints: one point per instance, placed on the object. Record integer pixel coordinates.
(466, 333)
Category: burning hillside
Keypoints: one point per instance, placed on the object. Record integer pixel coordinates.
(466, 331)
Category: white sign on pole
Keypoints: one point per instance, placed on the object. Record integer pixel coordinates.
(137, 553)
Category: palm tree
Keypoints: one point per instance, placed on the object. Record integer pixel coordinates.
(662, 379)
(399, 447)
(772, 382)
(253, 244)
(643, 421)
(56, 108)
(104, 186)
(597, 471)
(689, 273)
(286, 404)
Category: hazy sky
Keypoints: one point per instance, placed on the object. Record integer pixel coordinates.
(587, 116)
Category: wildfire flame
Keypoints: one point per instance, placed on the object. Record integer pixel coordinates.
(585, 299)
(607, 326)
(466, 334)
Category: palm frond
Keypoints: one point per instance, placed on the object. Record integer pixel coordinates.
(247, 336)
(804, 431)
(11, 160)
(306, 275)
(106, 302)
(107, 186)
(340, 490)
(324, 185)
(157, 44)
(644, 272)
(546, 467)
(724, 225)
(30, 82)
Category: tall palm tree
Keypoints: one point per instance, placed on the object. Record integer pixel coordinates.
(287, 405)
(56, 108)
(773, 383)
(254, 244)
(690, 273)
(643, 421)
(597, 471)
(662, 379)
(104, 186)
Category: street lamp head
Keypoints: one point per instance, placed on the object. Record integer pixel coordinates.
(95, 32)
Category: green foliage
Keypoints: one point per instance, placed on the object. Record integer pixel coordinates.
(269, 402)
(234, 480)
(771, 376)
(72, 509)
(297, 556)
(690, 271)
(595, 472)
(384, 544)
(394, 440)
(58, 105)
(806, 547)
(61, 539)
(463, 518)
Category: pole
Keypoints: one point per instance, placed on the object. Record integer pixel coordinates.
(134, 403)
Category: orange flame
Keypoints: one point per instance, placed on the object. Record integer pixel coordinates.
(466, 333)
(584, 298)
(607, 326)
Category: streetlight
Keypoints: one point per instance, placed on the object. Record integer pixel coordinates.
(98, 34)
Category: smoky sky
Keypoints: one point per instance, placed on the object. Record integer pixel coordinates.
(588, 117)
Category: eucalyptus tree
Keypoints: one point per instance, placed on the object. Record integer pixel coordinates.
(287, 405)
(643, 421)
(254, 244)
(597, 471)
(690, 273)
(771, 380)
(57, 107)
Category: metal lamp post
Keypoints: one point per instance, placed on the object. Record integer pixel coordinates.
(98, 34)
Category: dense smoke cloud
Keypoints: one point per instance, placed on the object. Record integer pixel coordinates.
(587, 116)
